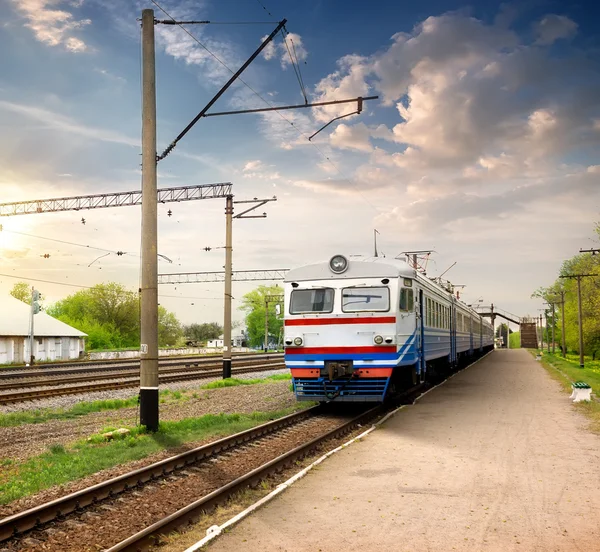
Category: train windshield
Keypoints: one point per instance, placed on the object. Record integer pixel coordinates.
(365, 299)
(311, 300)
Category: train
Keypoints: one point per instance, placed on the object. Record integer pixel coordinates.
(359, 329)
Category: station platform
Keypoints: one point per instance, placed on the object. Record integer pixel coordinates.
(496, 458)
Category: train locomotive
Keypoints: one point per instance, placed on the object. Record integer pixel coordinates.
(362, 328)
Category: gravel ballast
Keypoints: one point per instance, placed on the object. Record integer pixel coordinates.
(23, 441)
(68, 401)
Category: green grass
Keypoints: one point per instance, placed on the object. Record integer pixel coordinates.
(566, 371)
(63, 464)
(80, 409)
(570, 367)
(232, 382)
(84, 408)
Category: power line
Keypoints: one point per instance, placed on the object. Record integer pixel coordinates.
(264, 8)
(295, 66)
(173, 22)
(65, 242)
(44, 281)
(321, 153)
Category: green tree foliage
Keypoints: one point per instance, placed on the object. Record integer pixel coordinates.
(501, 332)
(253, 304)
(203, 332)
(109, 314)
(585, 263)
(22, 292)
(169, 328)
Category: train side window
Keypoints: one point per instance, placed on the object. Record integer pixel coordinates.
(406, 300)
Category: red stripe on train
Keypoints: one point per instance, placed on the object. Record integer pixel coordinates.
(362, 372)
(328, 321)
(339, 350)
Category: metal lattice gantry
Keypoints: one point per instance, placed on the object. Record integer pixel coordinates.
(116, 199)
(211, 277)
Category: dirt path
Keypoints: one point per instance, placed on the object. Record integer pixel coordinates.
(496, 459)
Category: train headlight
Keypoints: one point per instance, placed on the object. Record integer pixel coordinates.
(298, 341)
(338, 264)
(378, 339)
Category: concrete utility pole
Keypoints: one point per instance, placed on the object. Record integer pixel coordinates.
(31, 333)
(562, 329)
(578, 277)
(580, 322)
(149, 290)
(553, 326)
(228, 275)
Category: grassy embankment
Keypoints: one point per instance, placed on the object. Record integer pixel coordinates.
(61, 464)
(84, 408)
(567, 370)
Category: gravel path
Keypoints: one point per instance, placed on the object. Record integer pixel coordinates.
(68, 401)
(106, 525)
(26, 440)
(497, 459)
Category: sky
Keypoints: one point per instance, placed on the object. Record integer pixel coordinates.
(482, 145)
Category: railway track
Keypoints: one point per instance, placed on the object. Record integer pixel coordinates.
(7, 374)
(42, 379)
(128, 512)
(118, 381)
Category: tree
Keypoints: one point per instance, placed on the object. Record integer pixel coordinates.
(253, 304)
(110, 305)
(169, 328)
(590, 301)
(110, 315)
(22, 292)
(203, 332)
(501, 331)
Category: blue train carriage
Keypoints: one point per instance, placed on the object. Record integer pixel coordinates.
(357, 329)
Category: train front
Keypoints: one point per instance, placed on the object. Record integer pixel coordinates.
(343, 338)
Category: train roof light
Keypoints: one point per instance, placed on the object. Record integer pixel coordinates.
(338, 264)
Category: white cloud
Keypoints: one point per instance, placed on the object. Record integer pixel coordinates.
(292, 46)
(259, 171)
(63, 123)
(253, 165)
(476, 104)
(554, 27)
(354, 137)
(52, 25)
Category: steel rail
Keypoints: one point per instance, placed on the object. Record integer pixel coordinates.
(6, 370)
(35, 394)
(145, 538)
(89, 376)
(39, 515)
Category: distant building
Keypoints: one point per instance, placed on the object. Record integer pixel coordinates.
(238, 340)
(54, 340)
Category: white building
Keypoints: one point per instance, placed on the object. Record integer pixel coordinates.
(54, 340)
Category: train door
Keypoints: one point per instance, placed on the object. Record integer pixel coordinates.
(471, 334)
(452, 332)
(421, 366)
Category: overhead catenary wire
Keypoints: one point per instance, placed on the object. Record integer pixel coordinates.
(304, 135)
(264, 8)
(66, 242)
(295, 64)
(28, 279)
